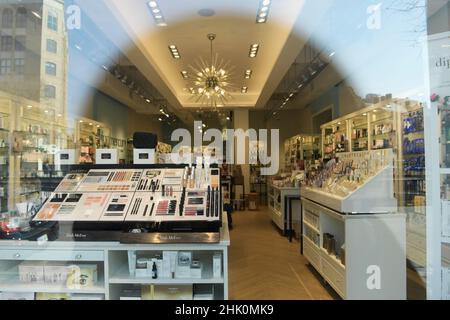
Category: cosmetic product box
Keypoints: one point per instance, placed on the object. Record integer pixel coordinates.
(130, 294)
(196, 269)
(184, 260)
(82, 276)
(168, 264)
(141, 268)
(16, 296)
(217, 265)
(203, 292)
(56, 273)
(173, 292)
(52, 296)
(31, 272)
(86, 297)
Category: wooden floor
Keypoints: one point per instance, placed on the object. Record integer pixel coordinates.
(263, 265)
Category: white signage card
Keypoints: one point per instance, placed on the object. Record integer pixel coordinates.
(144, 156)
(106, 156)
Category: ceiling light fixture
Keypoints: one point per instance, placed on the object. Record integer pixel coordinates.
(211, 82)
(244, 89)
(254, 49)
(157, 14)
(174, 51)
(263, 11)
(184, 74)
(248, 74)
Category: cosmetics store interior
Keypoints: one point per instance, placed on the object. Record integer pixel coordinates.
(215, 150)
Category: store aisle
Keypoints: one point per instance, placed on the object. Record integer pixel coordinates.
(264, 265)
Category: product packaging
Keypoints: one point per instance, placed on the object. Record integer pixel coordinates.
(217, 265)
(31, 272)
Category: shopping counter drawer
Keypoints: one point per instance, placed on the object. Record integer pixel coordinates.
(51, 255)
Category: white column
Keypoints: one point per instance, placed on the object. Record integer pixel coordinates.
(241, 121)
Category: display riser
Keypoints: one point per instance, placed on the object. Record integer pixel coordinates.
(374, 196)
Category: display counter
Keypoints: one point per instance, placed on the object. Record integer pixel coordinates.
(114, 271)
(279, 209)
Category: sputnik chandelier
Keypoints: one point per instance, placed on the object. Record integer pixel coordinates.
(211, 84)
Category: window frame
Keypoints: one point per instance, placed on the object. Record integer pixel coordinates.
(50, 66)
(55, 46)
(6, 46)
(7, 18)
(21, 17)
(52, 89)
(52, 21)
(22, 66)
(6, 69)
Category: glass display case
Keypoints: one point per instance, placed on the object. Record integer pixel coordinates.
(300, 149)
(360, 132)
(371, 128)
(92, 135)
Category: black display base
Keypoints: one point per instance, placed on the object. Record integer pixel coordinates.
(172, 237)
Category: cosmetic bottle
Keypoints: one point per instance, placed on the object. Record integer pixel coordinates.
(154, 270)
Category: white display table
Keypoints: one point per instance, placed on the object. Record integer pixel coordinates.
(111, 259)
(278, 211)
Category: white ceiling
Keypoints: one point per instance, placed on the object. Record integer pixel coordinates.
(234, 23)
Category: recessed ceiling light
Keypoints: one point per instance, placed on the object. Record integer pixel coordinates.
(157, 14)
(174, 51)
(262, 14)
(375, 111)
(148, 100)
(244, 89)
(254, 48)
(81, 121)
(29, 106)
(248, 74)
(90, 123)
(185, 75)
(160, 119)
(46, 111)
(364, 114)
(228, 118)
(291, 95)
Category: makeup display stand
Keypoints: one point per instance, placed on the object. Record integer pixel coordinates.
(112, 261)
(358, 242)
